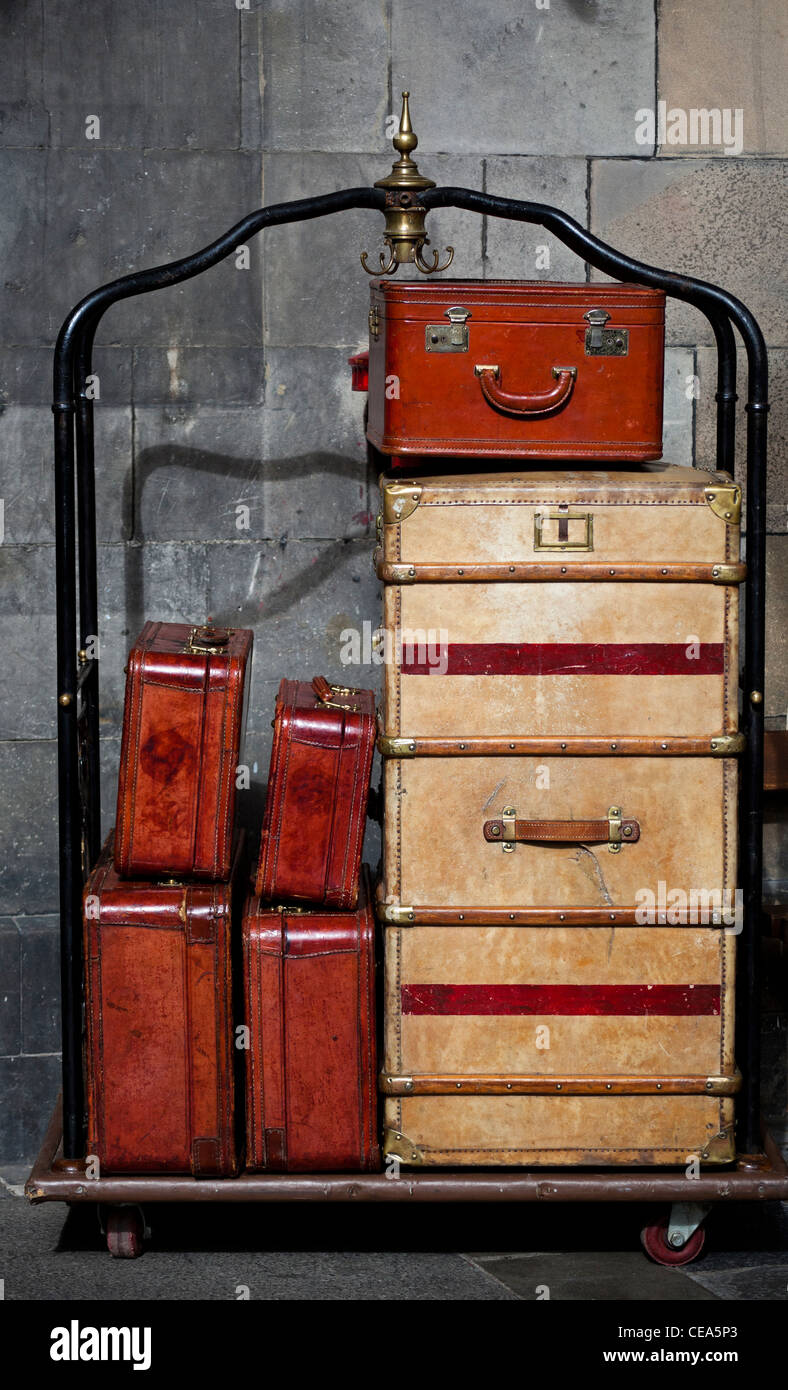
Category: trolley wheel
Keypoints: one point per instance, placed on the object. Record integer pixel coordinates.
(654, 1240)
(125, 1228)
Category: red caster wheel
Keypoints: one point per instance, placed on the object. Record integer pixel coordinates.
(125, 1232)
(654, 1240)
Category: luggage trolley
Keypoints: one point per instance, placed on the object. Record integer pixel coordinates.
(60, 1172)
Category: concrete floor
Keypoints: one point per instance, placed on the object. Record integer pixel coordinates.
(381, 1254)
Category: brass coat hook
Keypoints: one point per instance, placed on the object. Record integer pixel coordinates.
(405, 233)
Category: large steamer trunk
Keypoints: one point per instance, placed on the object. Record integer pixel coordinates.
(560, 727)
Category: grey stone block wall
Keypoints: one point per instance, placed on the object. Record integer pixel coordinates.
(232, 392)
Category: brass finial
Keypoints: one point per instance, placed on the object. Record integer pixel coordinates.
(404, 173)
(405, 233)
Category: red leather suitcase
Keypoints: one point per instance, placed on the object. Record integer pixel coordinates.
(311, 1068)
(183, 721)
(159, 1053)
(318, 787)
(516, 369)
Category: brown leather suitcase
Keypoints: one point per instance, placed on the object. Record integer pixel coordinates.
(318, 788)
(517, 369)
(560, 712)
(311, 1071)
(159, 1052)
(183, 721)
(559, 1045)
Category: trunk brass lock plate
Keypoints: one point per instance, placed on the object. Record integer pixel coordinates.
(563, 529)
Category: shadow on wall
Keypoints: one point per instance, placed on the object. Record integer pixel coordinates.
(289, 470)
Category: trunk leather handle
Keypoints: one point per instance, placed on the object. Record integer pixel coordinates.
(614, 831)
(534, 404)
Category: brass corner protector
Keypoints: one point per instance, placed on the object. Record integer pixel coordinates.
(720, 1149)
(395, 914)
(392, 746)
(728, 745)
(400, 500)
(725, 501)
(396, 1145)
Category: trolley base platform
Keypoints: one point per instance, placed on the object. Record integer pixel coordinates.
(761, 1177)
(676, 1239)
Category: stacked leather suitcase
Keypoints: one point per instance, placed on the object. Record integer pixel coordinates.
(309, 962)
(559, 731)
(208, 1005)
(161, 914)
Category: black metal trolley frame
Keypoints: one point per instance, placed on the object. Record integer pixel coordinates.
(59, 1174)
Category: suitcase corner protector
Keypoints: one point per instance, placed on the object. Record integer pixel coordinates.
(724, 498)
(400, 501)
(397, 1145)
(720, 1149)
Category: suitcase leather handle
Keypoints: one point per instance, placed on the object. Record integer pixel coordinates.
(322, 689)
(327, 693)
(534, 404)
(614, 831)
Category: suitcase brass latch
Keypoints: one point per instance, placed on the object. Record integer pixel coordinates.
(508, 816)
(450, 337)
(604, 342)
(208, 640)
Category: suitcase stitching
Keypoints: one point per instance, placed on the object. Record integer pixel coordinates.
(188, 1089)
(723, 987)
(224, 1035)
(581, 498)
(259, 1107)
(493, 448)
(369, 979)
(268, 877)
(343, 893)
(358, 814)
(224, 792)
(135, 716)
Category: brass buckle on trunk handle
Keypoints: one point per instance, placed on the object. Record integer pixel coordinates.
(208, 640)
(614, 819)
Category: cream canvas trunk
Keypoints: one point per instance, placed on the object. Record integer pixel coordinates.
(560, 730)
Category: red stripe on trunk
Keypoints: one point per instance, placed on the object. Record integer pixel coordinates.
(625, 1000)
(564, 659)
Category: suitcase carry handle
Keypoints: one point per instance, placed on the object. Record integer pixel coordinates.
(537, 403)
(207, 639)
(614, 831)
(327, 693)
